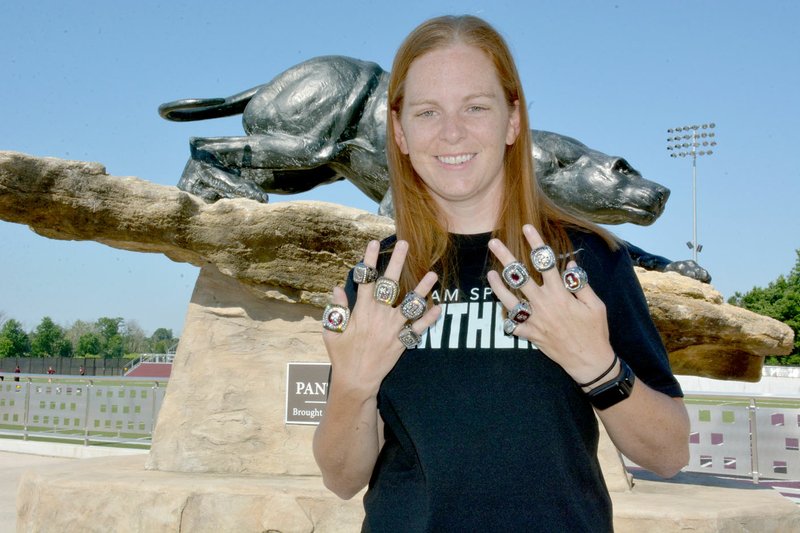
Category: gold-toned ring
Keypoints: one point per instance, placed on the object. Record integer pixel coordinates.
(386, 290)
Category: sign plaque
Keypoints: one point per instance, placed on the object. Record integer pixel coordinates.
(306, 392)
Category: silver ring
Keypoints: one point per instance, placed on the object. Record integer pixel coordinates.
(543, 258)
(516, 275)
(335, 318)
(509, 326)
(386, 290)
(364, 274)
(521, 312)
(413, 306)
(575, 278)
(409, 337)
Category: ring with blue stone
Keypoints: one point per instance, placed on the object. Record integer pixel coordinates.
(516, 275)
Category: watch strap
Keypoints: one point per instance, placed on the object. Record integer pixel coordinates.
(614, 391)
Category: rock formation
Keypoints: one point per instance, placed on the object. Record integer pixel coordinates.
(296, 251)
(222, 458)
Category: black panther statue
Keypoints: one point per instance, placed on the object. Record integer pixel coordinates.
(324, 120)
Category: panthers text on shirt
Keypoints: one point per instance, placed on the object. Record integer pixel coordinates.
(472, 319)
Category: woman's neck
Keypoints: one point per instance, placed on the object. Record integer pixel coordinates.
(470, 219)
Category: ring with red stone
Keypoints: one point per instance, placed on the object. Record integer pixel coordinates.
(575, 278)
(335, 318)
(386, 290)
(509, 326)
(521, 312)
(409, 337)
(364, 274)
(413, 306)
(543, 258)
(516, 275)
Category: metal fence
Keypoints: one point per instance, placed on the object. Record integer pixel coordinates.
(92, 410)
(92, 366)
(735, 435)
(745, 435)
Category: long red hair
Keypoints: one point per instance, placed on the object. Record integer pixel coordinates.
(417, 217)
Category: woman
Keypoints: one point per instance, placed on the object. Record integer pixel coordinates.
(479, 415)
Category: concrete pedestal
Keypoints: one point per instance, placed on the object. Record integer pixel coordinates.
(222, 458)
(118, 494)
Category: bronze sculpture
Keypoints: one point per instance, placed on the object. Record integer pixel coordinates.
(324, 120)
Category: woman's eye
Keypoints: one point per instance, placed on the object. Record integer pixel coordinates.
(477, 108)
(428, 113)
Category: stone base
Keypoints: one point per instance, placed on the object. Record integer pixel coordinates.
(118, 494)
(663, 507)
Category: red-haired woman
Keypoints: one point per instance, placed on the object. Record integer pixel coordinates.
(470, 353)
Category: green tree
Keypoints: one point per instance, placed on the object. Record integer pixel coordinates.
(78, 329)
(48, 340)
(111, 344)
(161, 340)
(781, 301)
(109, 327)
(88, 344)
(14, 342)
(134, 339)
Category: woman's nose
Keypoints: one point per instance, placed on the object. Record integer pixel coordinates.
(452, 128)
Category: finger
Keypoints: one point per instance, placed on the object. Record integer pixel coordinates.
(535, 240)
(500, 251)
(501, 290)
(339, 298)
(505, 256)
(427, 320)
(426, 284)
(395, 266)
(371, 260)
(584, 294)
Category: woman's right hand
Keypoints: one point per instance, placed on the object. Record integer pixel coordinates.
(348, 439)
(369, 347)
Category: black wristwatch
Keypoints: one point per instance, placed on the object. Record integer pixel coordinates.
(614, 391)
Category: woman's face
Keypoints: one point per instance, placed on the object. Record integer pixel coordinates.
(455, 125)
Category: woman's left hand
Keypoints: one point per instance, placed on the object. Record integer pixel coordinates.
(570, 328)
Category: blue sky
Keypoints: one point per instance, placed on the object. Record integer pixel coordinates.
(83, 80)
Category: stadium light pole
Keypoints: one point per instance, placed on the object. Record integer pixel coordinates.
(686, 141)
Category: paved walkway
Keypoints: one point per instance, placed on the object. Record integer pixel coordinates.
(17, 456)
(12, 465)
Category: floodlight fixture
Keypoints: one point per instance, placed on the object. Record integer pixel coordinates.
(678, 148)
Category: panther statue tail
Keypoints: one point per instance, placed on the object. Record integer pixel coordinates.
(190, 109)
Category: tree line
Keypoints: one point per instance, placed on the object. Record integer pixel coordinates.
(106, 338)
(781, 301)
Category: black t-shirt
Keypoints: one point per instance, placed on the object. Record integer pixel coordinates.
(483, 431)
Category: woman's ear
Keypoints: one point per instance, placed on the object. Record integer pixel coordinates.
(513, 124)
(399, 134)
